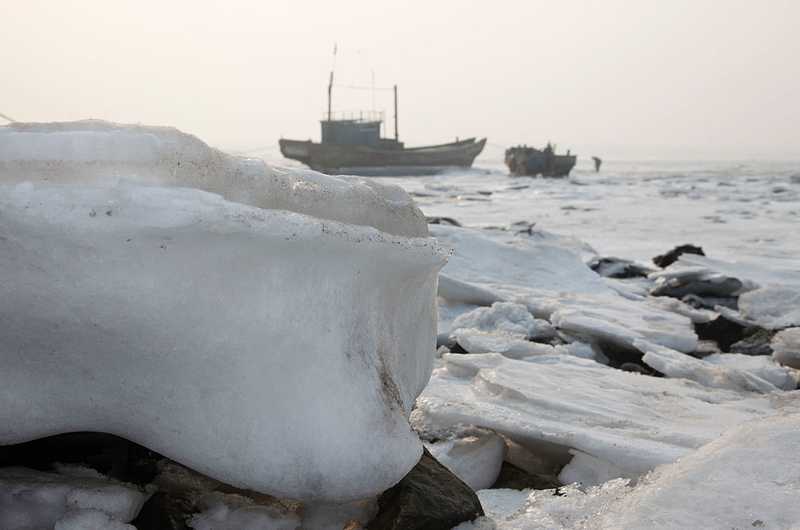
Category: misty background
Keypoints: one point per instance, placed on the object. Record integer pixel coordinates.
(715, 79)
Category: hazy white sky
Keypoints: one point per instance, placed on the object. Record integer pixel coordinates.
(707, 78)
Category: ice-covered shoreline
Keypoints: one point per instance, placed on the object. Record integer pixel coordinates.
(607, 433)
(554, 374)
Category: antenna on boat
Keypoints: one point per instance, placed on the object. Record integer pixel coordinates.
(396, 137)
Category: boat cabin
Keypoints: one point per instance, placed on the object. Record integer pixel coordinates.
(358, 129)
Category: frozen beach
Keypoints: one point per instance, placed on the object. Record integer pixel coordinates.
(544, 360)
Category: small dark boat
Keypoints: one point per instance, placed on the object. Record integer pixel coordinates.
(351, 144)
(529, 161)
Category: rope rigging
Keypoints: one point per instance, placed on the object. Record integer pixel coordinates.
(356, 87)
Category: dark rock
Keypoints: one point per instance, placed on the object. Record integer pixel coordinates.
(445, 339)
(512, 477)
(700, 288)
(636, 368)
(628, 359)
(523, 227)
(442, 221)
(672, 256)
(707, 302)
(616, 268)
(617, 356)
(457, 348)
(430, 497)
(705, 348)
(166, 510)
(722, 331)
(756, 342)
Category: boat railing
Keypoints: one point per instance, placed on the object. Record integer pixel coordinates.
(355, 116)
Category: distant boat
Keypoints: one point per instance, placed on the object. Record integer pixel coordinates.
(351, 144)
(529, 161)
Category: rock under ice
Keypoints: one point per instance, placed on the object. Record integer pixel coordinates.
(268, 328)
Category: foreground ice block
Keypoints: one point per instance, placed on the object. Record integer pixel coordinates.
(275, 343)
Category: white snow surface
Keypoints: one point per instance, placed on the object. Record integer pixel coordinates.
(708, 446)
(274, 345)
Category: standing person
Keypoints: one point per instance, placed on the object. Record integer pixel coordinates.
(597, 163)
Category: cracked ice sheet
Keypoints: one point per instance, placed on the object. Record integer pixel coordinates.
(554, 284)
(612, 318)
(743, 479)
(627, 423)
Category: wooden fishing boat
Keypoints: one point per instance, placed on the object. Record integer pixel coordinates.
(337, 159)
(529, 161)
(351, 144)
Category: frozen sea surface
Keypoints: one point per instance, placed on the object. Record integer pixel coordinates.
(636, 211)
(617, 426)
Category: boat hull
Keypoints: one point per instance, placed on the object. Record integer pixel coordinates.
(336, 159)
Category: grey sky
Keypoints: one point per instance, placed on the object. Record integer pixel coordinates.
(706, 78)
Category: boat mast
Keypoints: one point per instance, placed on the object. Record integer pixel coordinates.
(396, 137)
(330, 83)
(330, 88)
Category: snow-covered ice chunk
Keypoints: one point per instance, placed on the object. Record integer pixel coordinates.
(786, 347)
(730, 370)
(70, 498)
(613, 319)
(630, 422)
(753, 274)
(94, 153)
(772, 307)
(519, 264)
(744, 479)
(467, 293)
(554, 284)
(514, 345)
(275, 344)
(506, 316)
(499, 504)
(475, 456)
